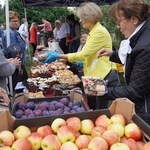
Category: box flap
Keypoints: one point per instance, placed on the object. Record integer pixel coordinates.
(7, 121)
(123, 106)
(21, 98)
(76, 94)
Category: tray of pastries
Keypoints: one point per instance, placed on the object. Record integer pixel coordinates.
(94, 85)
(57, 65)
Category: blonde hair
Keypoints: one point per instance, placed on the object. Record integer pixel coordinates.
(89, 11)
(13, 15)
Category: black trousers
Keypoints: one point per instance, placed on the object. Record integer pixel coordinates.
(97, 102)
(63, 45)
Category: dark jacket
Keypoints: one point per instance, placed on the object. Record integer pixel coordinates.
(137, 74)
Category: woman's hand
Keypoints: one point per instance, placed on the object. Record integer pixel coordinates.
(16, 61)
(4, 95)
(104, 52)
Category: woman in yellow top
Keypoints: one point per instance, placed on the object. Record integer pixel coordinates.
(90, 14)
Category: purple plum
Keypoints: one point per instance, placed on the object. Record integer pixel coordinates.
(80, 109)
(21, 105)
(65, 101)
(19, 113)
(76, 102)
(30, 105)
(51, 107)
(37, 112)
(28, 112)
(59, 105)
(70, 105)
(45, 113)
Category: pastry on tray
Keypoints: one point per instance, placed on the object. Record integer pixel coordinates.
(57, 65)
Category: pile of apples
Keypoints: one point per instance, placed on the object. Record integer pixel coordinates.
(75, 134)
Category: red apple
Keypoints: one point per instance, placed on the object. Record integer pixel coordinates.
(5, 148)
(22, 144)
(6, 138)
(35, 139)
(103, 120)
(98, 131)
(68, 146)
(66, 133)
(57, 123)
(146, 146)
(133, 131)
(111, 137)
(131, 144)
(140, 144)
(51, 142)
(21, 132)
(118, 118)
(86, 126)
(123, 139)
(117, 127)
(82, 141)
(74, 122)
(45, 130)
(119, 146)
(77, 134)
(98, 143)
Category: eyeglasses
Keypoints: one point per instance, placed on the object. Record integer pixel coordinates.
(119, 21)
(15, 21)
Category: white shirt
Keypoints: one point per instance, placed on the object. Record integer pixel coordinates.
(64, 30)
(55, 32)
(23, 30)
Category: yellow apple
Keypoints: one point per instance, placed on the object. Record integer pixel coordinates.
(21, 132)
(133, 131)
(5, 148)
(68, 146)
(51, 142)
(111, 137)
(57, 123)
(74, 122)
(102, 120)
(98, 143)
(117, 127)
(86, 126)
(66, 133)
(119, 146)
(22, 144)
(44, 130)
(82, 141)
(98, 131)
(35, 139)
(118, 118)
(6, 138)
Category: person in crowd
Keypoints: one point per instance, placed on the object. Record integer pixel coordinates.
(56, 30)
(33, 36)
(48, 31)
(4, 96)
(23, 30)
(75, 32)
(1, 33)
(7, 67)
(90, 14)
(132, 18)
(20, 73)
(62, 34)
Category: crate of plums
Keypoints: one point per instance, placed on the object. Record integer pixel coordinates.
(49, 106)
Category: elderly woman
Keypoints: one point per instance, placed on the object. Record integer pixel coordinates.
(132, 18)
(89, 14)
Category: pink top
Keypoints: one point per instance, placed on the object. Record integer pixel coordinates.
(47, 26)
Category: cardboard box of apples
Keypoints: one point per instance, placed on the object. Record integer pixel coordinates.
(116, 128)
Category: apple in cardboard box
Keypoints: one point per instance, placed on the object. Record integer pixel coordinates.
(45, 130)
(5, 148)
(66, 133)
(74, 122)
(98, 131)
(22, 144)
(6, 138)
(21, 132)
(119, 146)
(117, 127)
(98, 143)
(140, 144)
(132, 144)
(133, 131)
(118, 118)
(111, 137)
(146, 146)
(102, 120)
(35, 139)
(51, 142)
(68, 146)
(82, 141)
(57, 123)
(86, 126)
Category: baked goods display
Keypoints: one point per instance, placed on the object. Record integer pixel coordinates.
(40, 47)
(36, 95)
(67, 77)
(57, 65)
(94, 86)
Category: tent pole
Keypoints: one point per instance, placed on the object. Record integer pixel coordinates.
(8, 43)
